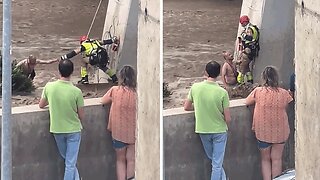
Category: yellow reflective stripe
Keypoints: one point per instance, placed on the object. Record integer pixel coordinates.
(240, 78)
(244, 77)
(89, 47)
(249, 76)
(83, 71)
(97, 42)
(254, 32)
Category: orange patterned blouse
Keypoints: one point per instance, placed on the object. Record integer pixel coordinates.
(122, 117)
(270, 120)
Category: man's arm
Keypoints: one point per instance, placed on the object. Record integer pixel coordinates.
(81, 113)
(39, 61)
(105, 42)
(227, 115)
(73, 53)
(43, 103)
(44, 100)
(20, 63)
(223, 74)
(188, 105)
(112, 40)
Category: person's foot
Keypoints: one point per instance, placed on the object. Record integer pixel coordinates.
(80, 81)
(83, 80)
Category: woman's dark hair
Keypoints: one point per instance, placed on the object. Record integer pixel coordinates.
(270, 77)
(65, 68)
(213, 69)
(127, 77)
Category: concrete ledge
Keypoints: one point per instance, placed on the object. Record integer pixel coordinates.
(185, 157)
(34, 152)
(35, 108)
(179, 111)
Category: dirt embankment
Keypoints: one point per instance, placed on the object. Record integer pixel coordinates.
(195, 32)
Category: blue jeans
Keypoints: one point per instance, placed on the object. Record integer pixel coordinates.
(68, 145)
(214, 145)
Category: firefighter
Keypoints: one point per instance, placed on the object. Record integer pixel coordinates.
(250, 36)
(94, 54)
(244, 74)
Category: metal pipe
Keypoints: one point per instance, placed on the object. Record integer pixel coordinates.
(6, 156)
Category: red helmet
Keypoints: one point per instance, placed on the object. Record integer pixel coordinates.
(83, 38)
(244, 19)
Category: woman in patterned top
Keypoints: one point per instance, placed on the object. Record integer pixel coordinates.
(122, 121)
(270, 121)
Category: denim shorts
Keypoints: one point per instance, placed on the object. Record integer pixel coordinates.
(118, 144)
(263, 145)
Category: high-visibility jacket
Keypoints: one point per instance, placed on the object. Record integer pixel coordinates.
(255, 34)
(91, 47)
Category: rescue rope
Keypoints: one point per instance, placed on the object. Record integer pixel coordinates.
(94, 18)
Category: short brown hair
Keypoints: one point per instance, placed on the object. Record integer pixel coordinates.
(127, 77)
(270, 77)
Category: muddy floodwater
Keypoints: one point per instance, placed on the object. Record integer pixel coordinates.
(195, 32)
(49, 29)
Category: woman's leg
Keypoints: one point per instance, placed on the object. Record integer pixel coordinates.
(121, 163)
(266, 163)
(276, 159)
(130, 156)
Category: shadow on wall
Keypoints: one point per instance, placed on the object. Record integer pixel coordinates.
(186, 159)
(276, 36)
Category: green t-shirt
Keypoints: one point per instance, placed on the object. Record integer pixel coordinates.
(64, 99)
(209, 101)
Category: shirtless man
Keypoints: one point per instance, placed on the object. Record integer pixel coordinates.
(27, 65)
(228, 72)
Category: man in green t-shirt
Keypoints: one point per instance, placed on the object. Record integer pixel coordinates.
(211, 105)
(66, 113)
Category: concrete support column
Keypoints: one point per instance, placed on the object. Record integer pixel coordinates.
(307, 58)
(149, 79)
(121, 21)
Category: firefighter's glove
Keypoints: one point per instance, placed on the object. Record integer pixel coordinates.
(115, 40)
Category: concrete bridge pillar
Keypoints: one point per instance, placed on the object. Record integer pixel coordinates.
(307, 58)
(149, 94)
(121, 21)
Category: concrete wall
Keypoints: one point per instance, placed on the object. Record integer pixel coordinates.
(35, 155)
(149, 95)
(276, 22)
(308, 86)
(122, 21)
(186, 159)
